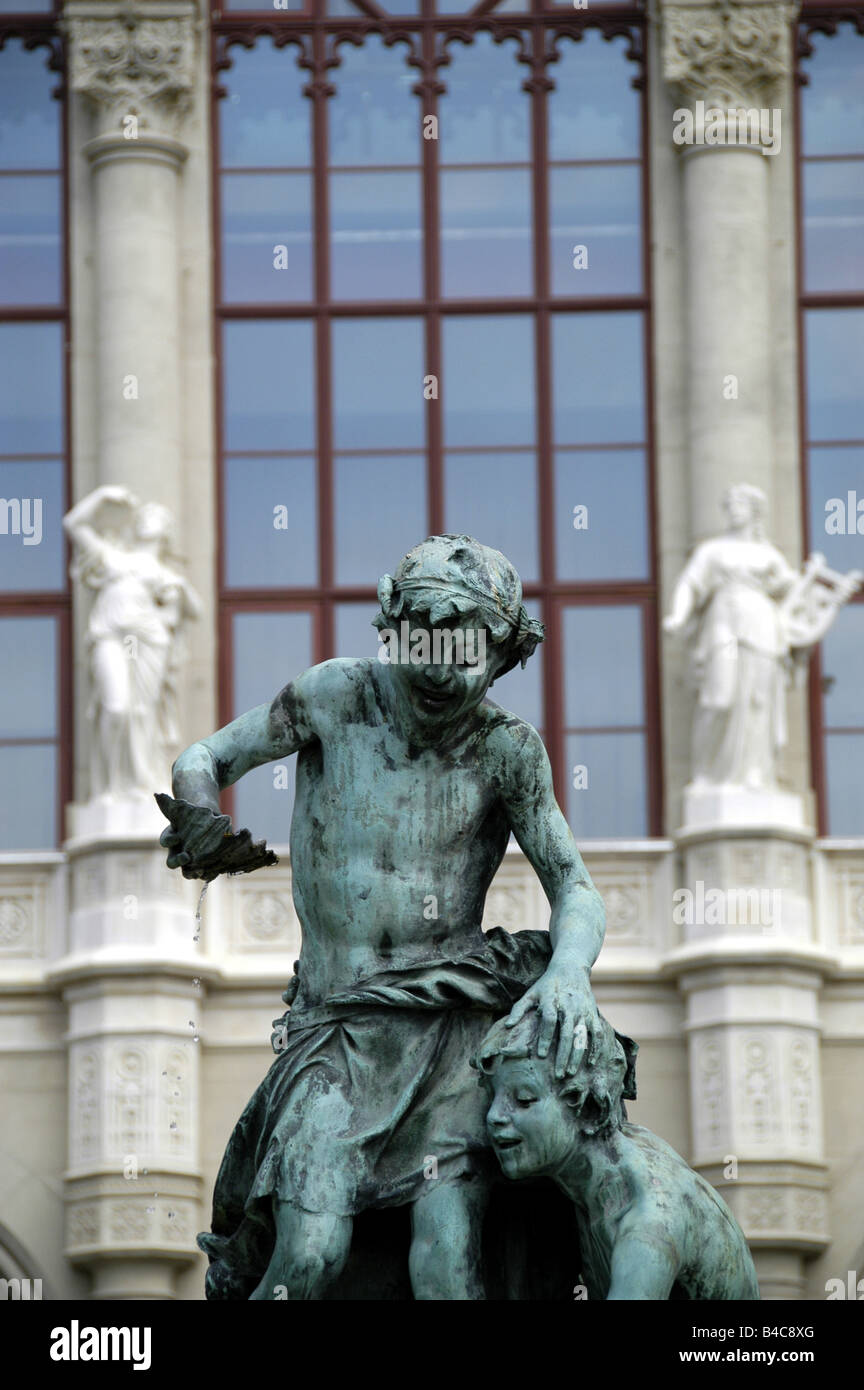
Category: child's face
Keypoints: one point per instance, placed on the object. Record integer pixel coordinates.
(442, 674)
(530, 1128)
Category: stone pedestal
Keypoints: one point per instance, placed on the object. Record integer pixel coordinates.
(751, 974)
(707, 804)
(133, 987)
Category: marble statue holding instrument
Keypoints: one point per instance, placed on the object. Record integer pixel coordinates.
(751, 622)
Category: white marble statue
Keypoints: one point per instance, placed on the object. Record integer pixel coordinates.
(122, 550)
(751, 622)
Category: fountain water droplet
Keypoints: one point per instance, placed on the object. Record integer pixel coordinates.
(198, 910)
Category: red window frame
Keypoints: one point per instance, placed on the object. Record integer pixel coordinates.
(38, 31)
(316, 35)
(823, 19)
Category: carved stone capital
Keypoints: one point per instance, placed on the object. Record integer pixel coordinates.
(727, 53)
(134, 62)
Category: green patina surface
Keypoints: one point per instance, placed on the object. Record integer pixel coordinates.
(361, 1167)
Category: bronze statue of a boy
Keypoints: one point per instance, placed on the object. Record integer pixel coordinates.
(648, 1226)
(409, 782)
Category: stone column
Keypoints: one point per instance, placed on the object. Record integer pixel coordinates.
(731, 57)
(132, 977)
(133, 68)
(747, 964)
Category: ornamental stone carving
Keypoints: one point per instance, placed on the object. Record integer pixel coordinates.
(14, 921)
(135, 62)
(728, 54)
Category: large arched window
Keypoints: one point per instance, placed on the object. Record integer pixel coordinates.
(831, 145)
(432, 305)
(35, 765)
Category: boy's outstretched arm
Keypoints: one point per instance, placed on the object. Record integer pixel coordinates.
(577, 926)
(206, 768)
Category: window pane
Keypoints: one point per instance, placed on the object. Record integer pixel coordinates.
(598, 209)
(30, 239)
(265, 119)
(28, 819)
(834, 224)
(844, 761)
(521, 690)
(612, 804)
(31, 399)
(602, 666)
(29, 115)
(488, 388)
(376, 237)
(594, 110)
(374, 118)
(271, 526)
(598, 378)
(266, 237)
(269, 385)
(843, 670)
(355, 635)
(832, 103)
(494, 497)
(486, 232)
(28, 691)
(378, 383)
(610, 539)
(485, 115)
(380, 513)
(836, 517)
(270, 649)
(835, 373)
(31, 533)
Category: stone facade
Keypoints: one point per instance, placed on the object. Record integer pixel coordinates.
(751, 1033)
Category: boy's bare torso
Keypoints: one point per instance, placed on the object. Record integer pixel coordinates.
(393, 845)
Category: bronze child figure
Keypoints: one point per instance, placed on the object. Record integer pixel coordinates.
(649, 1227)
(409, 783)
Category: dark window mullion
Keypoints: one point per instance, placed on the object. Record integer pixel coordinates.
(553, 704)
(324, 385)
(432, 288)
